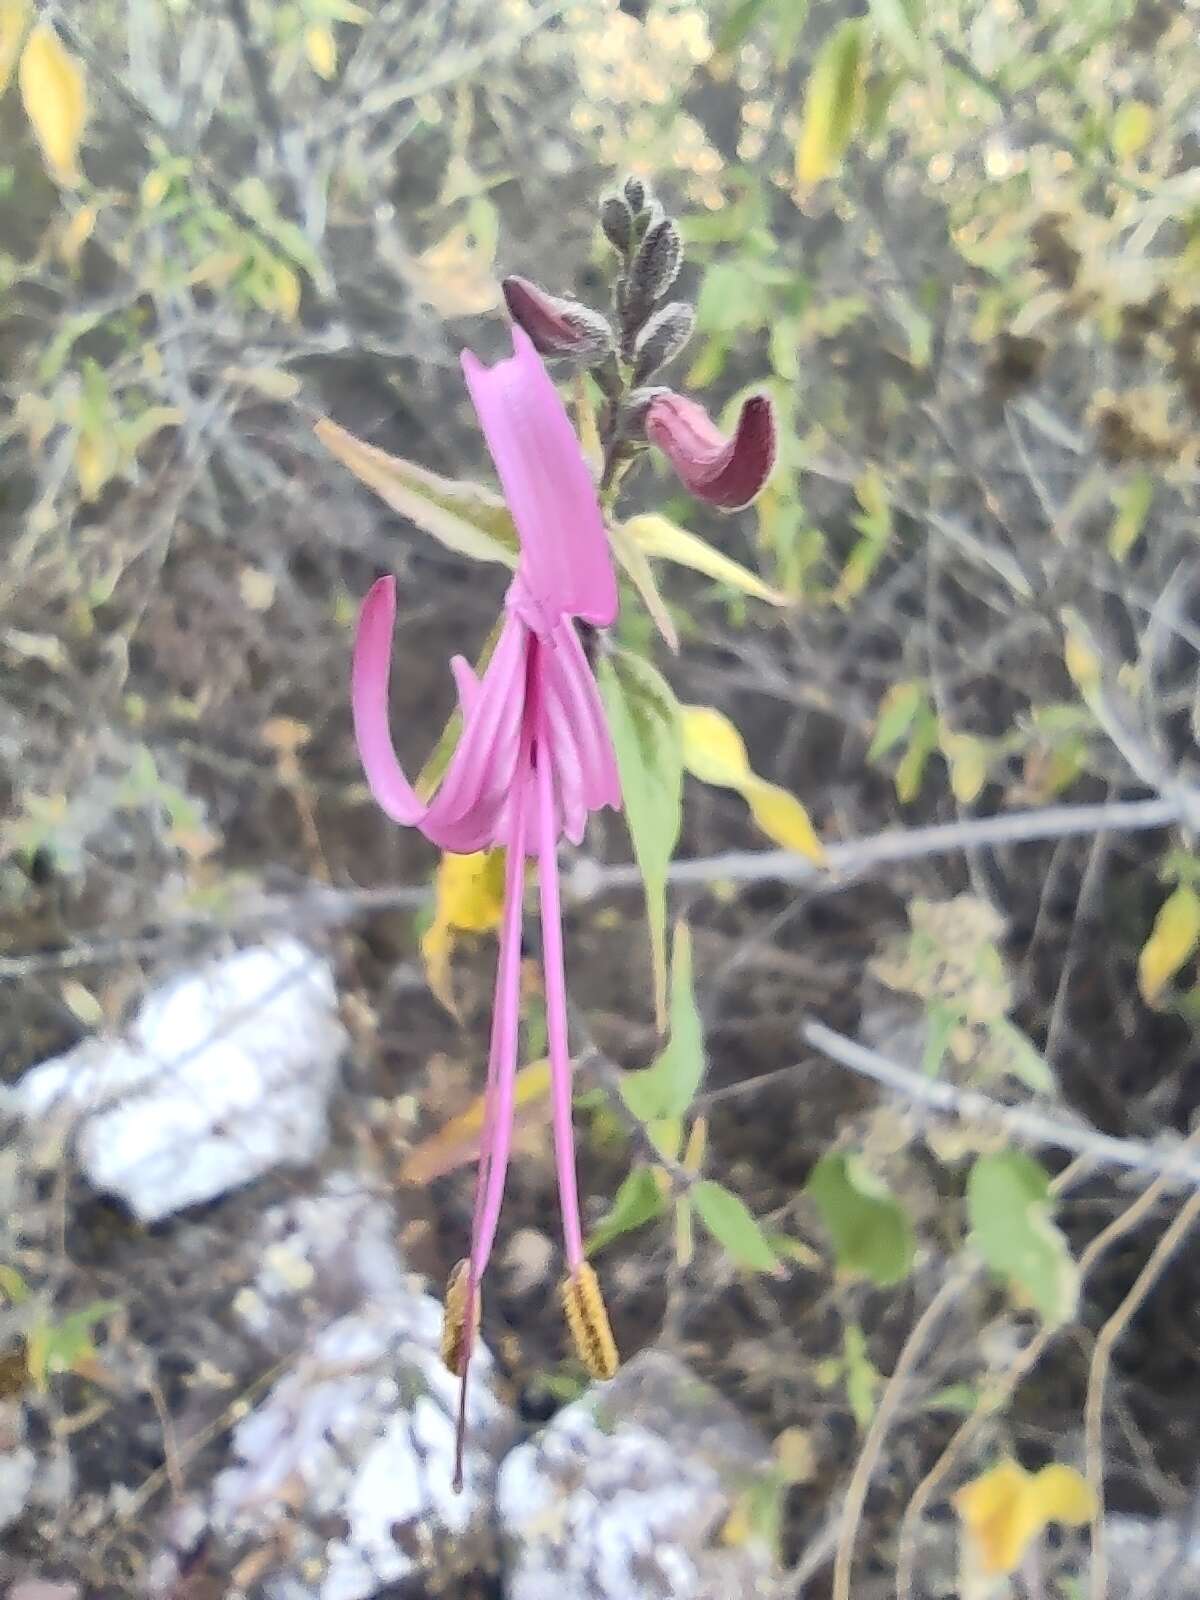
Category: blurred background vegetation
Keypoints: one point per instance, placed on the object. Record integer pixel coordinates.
(958, 241)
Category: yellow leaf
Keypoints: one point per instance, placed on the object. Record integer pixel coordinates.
(714, 752)
(967, 758)
(782, 818)
(658, 536)
(76, 234)
(1080, 656)
(457, 1144)
(285, 287)
(639, 572)
(55, 96)
(586, 425)
(154, 189)
(95, 463)
(1007, 1507)
(1172, 940)
(1131, 129)
(468, 898)
(832, 103)
(321, 49)
(269, 381)
(14, 18)
(455, 275)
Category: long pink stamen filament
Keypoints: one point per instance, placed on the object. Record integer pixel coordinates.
(501, 1081)
(556, 1006)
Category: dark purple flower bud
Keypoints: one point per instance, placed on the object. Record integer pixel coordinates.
(635, 193)
(727, 473)
(662, 338)
(617, 221)
(657, 262)
(557, 326)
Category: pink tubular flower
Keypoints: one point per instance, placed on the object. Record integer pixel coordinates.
(728, 473)
(534, 758)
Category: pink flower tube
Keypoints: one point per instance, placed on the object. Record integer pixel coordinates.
(534, 759)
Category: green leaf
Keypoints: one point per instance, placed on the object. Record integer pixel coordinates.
(1132, 127)
(659, 536)
(897, 23)
(922, 742)
(1020, 1058)
(863, 1381)
(895, 716)
(644, 720)
(13, 1286)
(731, 298)
(638, 1201)
(465, 517)
(940, 1022)
(1008, 1205)
(871, 1232)
(1131, 502)
(733, 1227)
(738, 24)
(665, 1090)
(832, 104)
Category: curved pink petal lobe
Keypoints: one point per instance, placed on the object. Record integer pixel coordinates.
(565, 567)
(727, 473)
(369, 703)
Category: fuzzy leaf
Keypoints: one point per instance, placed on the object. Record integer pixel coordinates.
(638, 570)
(658, 536)
(638, 1201)
(465, 517)
(871, 1232)
(1008, 1203)
(733, 1227)
(664, 1090)
(644, 721)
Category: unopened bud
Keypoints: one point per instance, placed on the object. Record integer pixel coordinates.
(588, 1321)
(657, 263)
(727, 472)
(617, 221)
(635, 193)
(558, 326)
(662, 338)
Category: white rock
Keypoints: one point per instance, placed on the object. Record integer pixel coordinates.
(18, 1468)
(625, 1492)
(226, 1073)
(347, 1465)
(319, 1257)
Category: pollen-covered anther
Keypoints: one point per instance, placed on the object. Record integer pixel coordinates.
(588, 1321)
(456, 1337)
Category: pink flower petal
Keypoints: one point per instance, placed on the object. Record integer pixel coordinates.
(727, 473)
(565, 562)
(369, 703)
